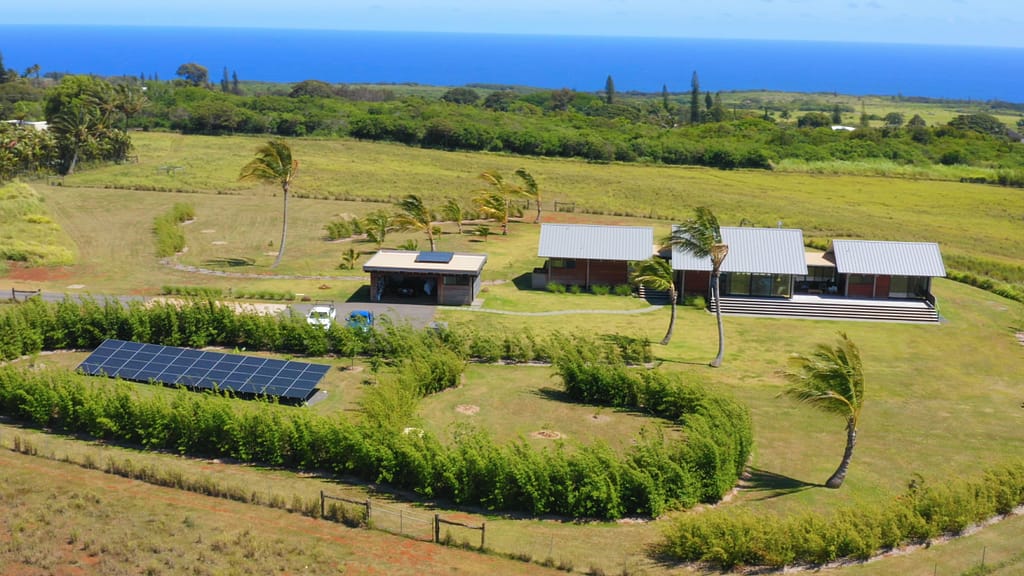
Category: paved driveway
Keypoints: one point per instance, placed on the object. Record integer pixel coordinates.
(418, 315)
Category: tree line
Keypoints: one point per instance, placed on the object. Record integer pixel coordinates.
(601, 126)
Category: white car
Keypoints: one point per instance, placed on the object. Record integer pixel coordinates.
(321, 315)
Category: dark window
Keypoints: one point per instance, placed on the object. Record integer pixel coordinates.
(456, 280)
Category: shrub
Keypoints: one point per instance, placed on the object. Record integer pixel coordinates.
(623, 290)
(697, 302)
(575, 289)
(555, 288)
(601, 289)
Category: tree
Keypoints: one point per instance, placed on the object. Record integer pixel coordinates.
(77, 130)
(701, 236)
(274, 164)
(893, 119)
(916, 122)
(235, 88)
(349, 258)
(415, 215)
(560, 99)
(500, 100)
(530, 190)
(694, 99)
(609, 90)
(461, 95)
(656, 273)
(832, 379)
(377, 225)
(314, 88)
(194, 74)
(225, 83)
(496, 202)
(717, 110)
(130, 102)
(814, 120)
(837, 114)
(664, 98)
(452, 211)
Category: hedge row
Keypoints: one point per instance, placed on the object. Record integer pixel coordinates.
(591, 481)
(729, 538)
(170, 238)
(718, 430)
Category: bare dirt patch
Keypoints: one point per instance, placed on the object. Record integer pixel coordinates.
(37, 274)
(1020, 338)
(207, 231)
(546, 435)
(599, 418)
(218, 242)
(467, 409)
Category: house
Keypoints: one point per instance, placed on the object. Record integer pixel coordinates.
(585, 254)
(877, 269)
(447, 278)
(761, 262)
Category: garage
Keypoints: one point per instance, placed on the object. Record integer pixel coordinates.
(406, 276)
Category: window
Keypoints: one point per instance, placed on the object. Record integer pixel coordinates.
(562, 263)
(456, 280)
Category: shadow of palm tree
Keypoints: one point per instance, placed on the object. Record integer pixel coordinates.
(772, 483)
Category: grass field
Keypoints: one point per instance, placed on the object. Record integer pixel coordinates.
(944, 401)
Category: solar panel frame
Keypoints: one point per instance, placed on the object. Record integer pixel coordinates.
(170, 365)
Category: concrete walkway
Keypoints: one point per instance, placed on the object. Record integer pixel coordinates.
(555, 312)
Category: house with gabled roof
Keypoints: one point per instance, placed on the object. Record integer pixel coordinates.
(882, 269)
(590, 254)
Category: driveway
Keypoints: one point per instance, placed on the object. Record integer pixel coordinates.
(418, 315)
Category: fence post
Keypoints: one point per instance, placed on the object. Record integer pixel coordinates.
(323, 510)
(367, 511)
(437, 528)
(483, 534)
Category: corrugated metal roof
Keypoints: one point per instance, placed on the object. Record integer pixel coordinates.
(405, 261)
(753, 250)
(594, 242)
(891, 258)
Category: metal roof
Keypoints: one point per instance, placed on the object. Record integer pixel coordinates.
(594, 242)
(754, 251)
(890, 258)
(406, 261)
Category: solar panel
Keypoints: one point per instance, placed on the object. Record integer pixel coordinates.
(435, 257)
(248, 375)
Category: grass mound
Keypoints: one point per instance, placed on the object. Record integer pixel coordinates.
(27, 233)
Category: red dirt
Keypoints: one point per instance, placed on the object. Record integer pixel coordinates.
(23, 273)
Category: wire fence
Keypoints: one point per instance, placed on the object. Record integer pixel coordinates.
(398, 520)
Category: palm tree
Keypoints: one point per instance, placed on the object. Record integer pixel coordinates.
(656, 273)
(453, 211)
(832, 379)
(530, 190)
(377, 225)
(77, 130)
(702, 237)
(496, 202)
(274, 164)
(416, 215)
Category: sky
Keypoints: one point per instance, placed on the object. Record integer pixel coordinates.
(950, 22)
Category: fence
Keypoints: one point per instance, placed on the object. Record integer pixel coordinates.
(396, 520)
(23, 294)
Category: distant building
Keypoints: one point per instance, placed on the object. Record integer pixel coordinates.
(838, 127)
(449, 278)
(40, 125)
(588, 254)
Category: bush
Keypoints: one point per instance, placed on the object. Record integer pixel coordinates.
(601, 289)
(623, 290)
(555, 288)
(575, 289)
(697, 302)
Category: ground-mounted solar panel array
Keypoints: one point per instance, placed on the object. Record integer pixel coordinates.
(198, 369)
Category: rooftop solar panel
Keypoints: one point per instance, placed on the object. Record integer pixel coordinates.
(435, 257)
(204, 370)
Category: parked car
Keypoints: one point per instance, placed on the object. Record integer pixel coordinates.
(360, 320)
(322, 314)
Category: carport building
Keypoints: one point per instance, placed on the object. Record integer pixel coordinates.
(447, 278)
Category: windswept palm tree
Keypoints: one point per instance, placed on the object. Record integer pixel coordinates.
(274, 164)
(656, 273)
(530, 190)
(77, 130)
(415, 215)
(496, 202)
(453, 211)
(832, 379)
(377, 225)
(701, 236)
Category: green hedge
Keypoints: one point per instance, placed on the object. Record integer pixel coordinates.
(170, 238)
(586, 481)
(718, 430)
(729, 538)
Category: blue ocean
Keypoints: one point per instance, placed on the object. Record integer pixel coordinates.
(576, 62)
